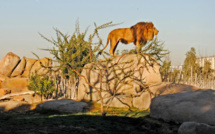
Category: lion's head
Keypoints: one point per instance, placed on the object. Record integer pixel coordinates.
(144, 31)
(150, 31)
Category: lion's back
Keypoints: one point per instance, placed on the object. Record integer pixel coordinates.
(120, 32)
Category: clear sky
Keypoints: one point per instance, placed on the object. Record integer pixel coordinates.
(182, 23)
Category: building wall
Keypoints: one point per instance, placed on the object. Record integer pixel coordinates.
(202, 60)
(179, 67)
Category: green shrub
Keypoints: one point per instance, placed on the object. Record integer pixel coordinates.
(42, 85)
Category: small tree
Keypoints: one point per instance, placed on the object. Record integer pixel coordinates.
(190, 66)
(73, 50)
(175, 75)
(165, 69)
(42, 85)
(206, 70)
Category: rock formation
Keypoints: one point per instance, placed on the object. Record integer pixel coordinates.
(14, 75)
(122, 83)
(197, 106)
(12, 66)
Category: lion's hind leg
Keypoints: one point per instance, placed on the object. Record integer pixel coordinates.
(113, 45)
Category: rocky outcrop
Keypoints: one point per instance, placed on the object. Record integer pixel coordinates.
(196, 128)
(122, 81)
(64, 105)
(197, 106)
(12, 66)
(8, 64)
(14, 75)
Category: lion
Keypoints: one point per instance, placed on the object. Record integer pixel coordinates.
(139, 34)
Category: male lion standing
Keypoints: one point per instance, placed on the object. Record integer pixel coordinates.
(139, 34)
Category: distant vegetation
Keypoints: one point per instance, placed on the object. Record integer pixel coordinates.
(191, 73)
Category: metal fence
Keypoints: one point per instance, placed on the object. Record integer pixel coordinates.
(200, 81)
(66, 87)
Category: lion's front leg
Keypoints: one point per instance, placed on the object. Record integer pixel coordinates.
(138, 46)
(111, 52)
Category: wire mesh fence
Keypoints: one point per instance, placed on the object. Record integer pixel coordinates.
(200, 81)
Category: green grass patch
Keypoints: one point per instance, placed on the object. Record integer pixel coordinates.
(95, 109)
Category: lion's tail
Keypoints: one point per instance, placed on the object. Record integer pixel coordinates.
(108, 39)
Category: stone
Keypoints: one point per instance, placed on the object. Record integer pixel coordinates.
(47, 62)
(4, 91)
(19, 69)
(0, 84)
(29, 98)
(197, 106)
(29, 63)
(170, 88)
(8, 63)
(10, 105)
(143, 100)
(3, 77)
(196, 128)
(64, 105)
(11, 95)
(127, 79)
(16, 84)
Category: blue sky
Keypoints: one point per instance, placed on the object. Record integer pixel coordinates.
(182, 24)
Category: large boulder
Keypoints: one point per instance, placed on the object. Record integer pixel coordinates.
(10, 105)
(19, 69)
(196, 128)
(143, 101)
(64, 105)
(8, 63)
(29, 97)
(47, 62)
(29, 63)
(170, 88)
(122, 79)
(197, 106)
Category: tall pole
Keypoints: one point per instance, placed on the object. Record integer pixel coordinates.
(191, 75)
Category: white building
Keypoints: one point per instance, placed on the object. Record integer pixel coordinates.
(179, 67)
(202, 60)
